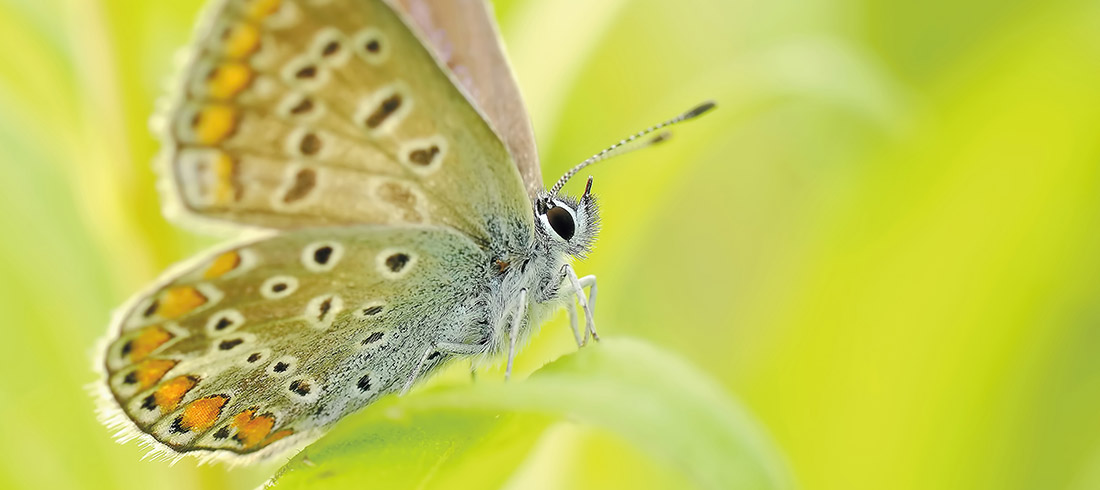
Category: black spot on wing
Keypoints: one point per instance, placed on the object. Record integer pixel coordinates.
(397, 261)
(322, 254)
(383, 111)
(372, 338)
(229, 344)
(300, 387)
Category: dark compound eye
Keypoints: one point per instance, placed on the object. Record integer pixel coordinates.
(561, 221)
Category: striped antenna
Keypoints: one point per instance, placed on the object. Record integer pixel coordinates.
(634, 142)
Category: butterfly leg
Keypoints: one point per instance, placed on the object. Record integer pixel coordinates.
(517, 317)
(582, 299)
(589, 281)
(437, 347)
(571, 308)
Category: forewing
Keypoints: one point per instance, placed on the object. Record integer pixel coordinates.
(249, 349)
(296, 113)
(464, 35)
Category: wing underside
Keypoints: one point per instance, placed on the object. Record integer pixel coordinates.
(302, 113)
(265, 343)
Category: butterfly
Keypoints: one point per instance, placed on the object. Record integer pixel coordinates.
(382, 156)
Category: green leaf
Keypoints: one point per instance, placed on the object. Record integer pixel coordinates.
(478, 435)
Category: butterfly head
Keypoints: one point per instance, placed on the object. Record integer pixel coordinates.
(566, 223)
(570, 225)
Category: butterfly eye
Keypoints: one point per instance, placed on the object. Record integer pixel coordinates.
(561, 221)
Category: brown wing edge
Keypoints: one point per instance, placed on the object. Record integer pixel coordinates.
(172, 203)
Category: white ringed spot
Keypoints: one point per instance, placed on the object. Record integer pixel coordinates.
(364, 386)
(322, 256)
(282, 366)
(224, 322)
(331, 47)
(298, 188)
(394, 263)
(235, 344)
(302, 390)
(307, 142)
(322, 310)
(424, 155)
(380, 112)
(277, 287)
(373, 340)
(254, 358)
(300, 106)
(408, 203)
(370, 309)
(306, 73)
(371, 45)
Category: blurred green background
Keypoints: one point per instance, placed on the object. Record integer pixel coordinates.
(884, 243)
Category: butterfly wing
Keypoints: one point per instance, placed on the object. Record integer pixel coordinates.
(464, 35)
(297, 113)
(266, 343)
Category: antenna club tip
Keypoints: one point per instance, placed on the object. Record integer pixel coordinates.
(700, 109)
(660, 138)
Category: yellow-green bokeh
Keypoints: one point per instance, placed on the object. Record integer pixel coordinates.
(884, 242)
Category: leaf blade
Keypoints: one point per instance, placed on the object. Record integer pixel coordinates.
(650, 398)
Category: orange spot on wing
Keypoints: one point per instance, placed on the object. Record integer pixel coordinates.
(228, 80)
(149, 372)
(226, 188)
(277, 435)
(168, 396)
(222, 264)
(242, 418)
(202, 413)
(177, 301)
(258, 9)
(251, 430)
(146, 342)
(214, 123)
(241, 40)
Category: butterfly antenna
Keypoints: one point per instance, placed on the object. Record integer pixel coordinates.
(635, 141)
